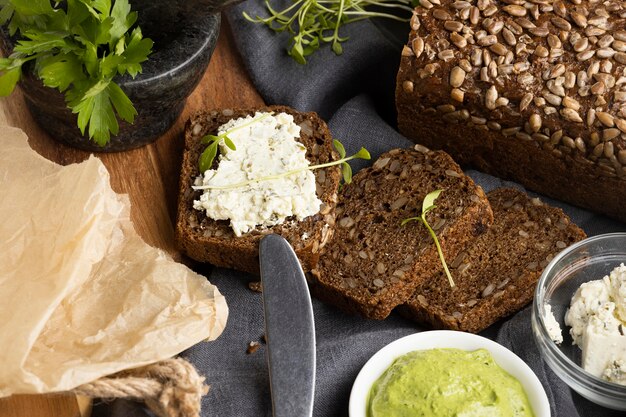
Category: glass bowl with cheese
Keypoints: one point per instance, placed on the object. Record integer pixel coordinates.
(579, 318)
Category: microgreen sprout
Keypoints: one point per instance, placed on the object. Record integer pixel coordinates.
(428, 205)
(346, 170)
(313, 23)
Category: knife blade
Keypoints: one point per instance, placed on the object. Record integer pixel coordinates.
(289, 329)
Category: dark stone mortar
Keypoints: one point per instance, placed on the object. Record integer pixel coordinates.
(184, 42)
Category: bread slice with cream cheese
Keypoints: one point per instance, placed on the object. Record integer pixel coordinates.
(213, 241)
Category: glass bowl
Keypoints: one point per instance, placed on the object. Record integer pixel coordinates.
(588, 260)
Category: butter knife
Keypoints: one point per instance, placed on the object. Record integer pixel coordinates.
(289, 329)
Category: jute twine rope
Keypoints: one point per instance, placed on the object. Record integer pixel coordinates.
(170, 388)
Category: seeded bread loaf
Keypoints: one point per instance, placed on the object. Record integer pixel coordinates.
(533, 91)
(497, 273)
(212, 241)
(373, 262)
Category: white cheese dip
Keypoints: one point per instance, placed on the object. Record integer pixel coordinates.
(552, 326)
(597, 317)
(265, 147)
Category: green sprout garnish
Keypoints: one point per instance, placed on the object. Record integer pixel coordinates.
(428, 205)
(209, 154)
(313, 23)
(346, 170)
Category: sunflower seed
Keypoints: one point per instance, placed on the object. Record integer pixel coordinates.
(553, 99)
(598, 150)
(458, 40)
(609, 148)
(446, 55)
(557, 71)
(488, 290)
(498, 48)
(605, 41)
(453, 26)
(539, 31)
(490, 10)
(571, 115)
(619, 46)
(620, 57)
(418, 46)
(515, 10)
(525, 102)
(571, 103)
(570, 80)
(490, 98)
(594, 31)
(560, 9)
(581, 44)
(474, 15)
(605, 118)
(525, 23)
(541, 51)
(554, 41)
(610, 133)
(605, 53)
(535, 122)
(561, 23)
(580, 144)
(415, 22)
(441, 14)
(598, 88)
(488, 40)
(585, 55)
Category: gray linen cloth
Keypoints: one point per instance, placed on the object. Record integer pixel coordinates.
(354, 93)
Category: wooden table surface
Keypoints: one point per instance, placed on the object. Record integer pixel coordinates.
(149, 175)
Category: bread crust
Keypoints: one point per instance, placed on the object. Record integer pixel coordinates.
(208, 240)
(516, 95)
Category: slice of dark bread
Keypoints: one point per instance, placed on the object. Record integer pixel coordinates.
(497, 273)
(212, 241)
(373, 262)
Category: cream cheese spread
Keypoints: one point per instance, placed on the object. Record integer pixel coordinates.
(264, 148)
(552, 326)
(597, 317)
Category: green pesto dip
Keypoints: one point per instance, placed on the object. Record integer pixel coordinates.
(447, 383)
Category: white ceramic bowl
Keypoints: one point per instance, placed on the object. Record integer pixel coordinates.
(510, 362)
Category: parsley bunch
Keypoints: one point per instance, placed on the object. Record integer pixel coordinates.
(78, 47)
(313, 23)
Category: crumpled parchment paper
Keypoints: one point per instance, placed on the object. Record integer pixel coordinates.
(81, 295)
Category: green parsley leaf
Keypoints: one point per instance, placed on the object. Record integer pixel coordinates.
(124, 19)
(60, 71)
(123, 106)
(8, 80)
(135, 54)
(79, 47)
(32, 7)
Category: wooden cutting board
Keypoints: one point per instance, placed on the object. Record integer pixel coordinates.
(149, 175)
